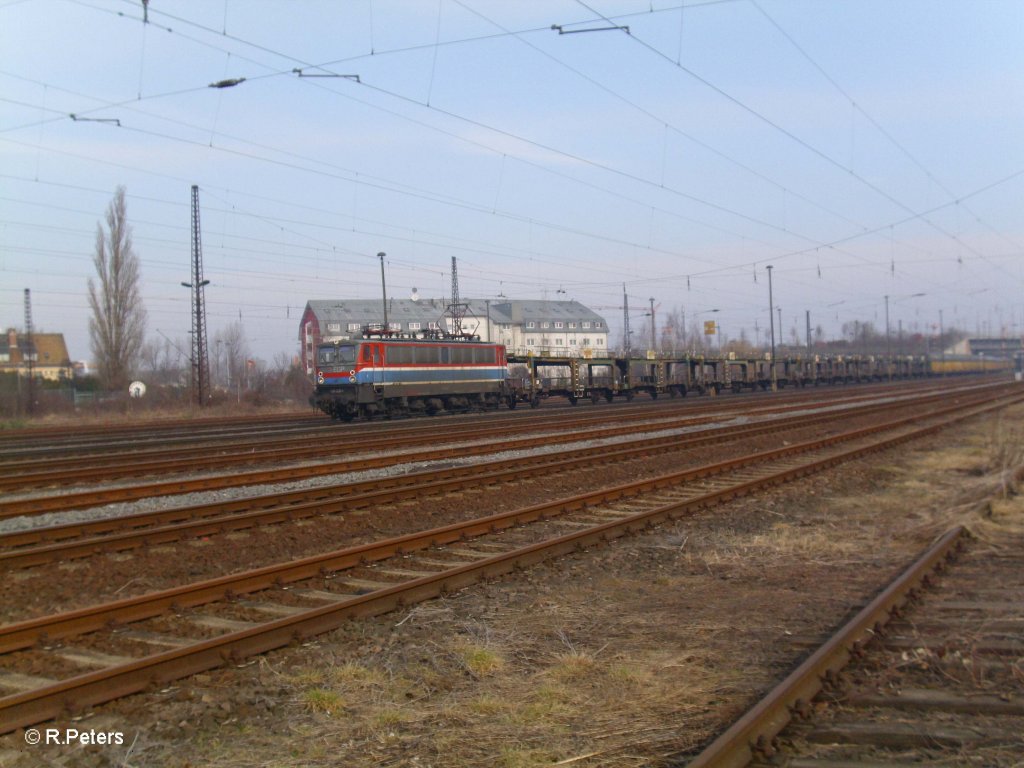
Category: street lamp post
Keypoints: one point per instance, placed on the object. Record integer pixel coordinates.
(942, 345)
(383, 289)
(888, 341)
(771, 323)
(654, 336)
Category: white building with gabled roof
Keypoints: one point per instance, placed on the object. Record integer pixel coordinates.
(557, 328)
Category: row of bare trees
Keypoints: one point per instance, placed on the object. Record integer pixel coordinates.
(681, 334)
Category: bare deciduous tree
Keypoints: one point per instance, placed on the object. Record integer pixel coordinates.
(230, 341)
(118, 321)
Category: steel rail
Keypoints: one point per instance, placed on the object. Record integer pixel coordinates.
(30, 707)
(82, 499)
(27, 633)
(169, 428)
(383, 434)
(208, 452)
(35, 505)
(30, 547)
(753, 733)
(216, 457)
(20, 469)
(192, 432)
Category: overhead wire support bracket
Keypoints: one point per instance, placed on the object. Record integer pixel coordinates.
(231, 83)
(300, 73)
(111, 120)
(563, 31)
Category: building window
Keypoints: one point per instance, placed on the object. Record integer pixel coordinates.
(414, 326)
(600, 342)
(558, 342)
(394, 326)
(597, 324)
(531, 324)
(558, 324)
(354, 326)
(572, 325)
(334, 327)
(572, 342)
(531, 342)
(545, 324)
(586, 342)
(586, 323)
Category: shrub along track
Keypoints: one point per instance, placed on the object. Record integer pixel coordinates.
(375, 578)
(555, 429)
(920, 675)
(36, 546)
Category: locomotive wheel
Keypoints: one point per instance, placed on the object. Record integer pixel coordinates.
(512, 401)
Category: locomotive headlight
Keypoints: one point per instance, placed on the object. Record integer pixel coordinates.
(352, 379)
(320, 377)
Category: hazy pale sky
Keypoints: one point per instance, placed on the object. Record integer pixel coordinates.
(863, 149)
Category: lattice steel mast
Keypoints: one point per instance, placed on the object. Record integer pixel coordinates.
(200, 364)
(29, 355)
(456, 309)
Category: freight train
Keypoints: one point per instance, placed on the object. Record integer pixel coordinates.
(396, 375)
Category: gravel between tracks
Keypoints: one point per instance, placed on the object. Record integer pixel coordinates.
(621, 655)
(75, 584)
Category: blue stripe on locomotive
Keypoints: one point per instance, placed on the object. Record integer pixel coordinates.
(421, 374)
(426, 374)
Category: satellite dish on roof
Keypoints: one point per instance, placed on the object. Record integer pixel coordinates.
(415, 296)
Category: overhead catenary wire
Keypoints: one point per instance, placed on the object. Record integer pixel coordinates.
(541, 250)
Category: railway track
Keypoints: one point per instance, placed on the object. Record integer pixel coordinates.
(639, 423)
(160, 453)
(37, 546)
(928, 673)
(57, 441)
(205, 625)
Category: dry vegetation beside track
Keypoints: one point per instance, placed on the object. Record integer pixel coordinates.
(624, 655)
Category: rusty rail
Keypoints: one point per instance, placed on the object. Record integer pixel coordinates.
(753, 733)
(84, 499)
(164, 526)
(31, 707)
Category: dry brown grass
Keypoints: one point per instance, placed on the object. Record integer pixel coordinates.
(979, 486)
(629, 653)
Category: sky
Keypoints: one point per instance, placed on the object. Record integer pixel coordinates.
(559, 149)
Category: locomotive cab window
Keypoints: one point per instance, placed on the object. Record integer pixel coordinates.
(342, 354)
